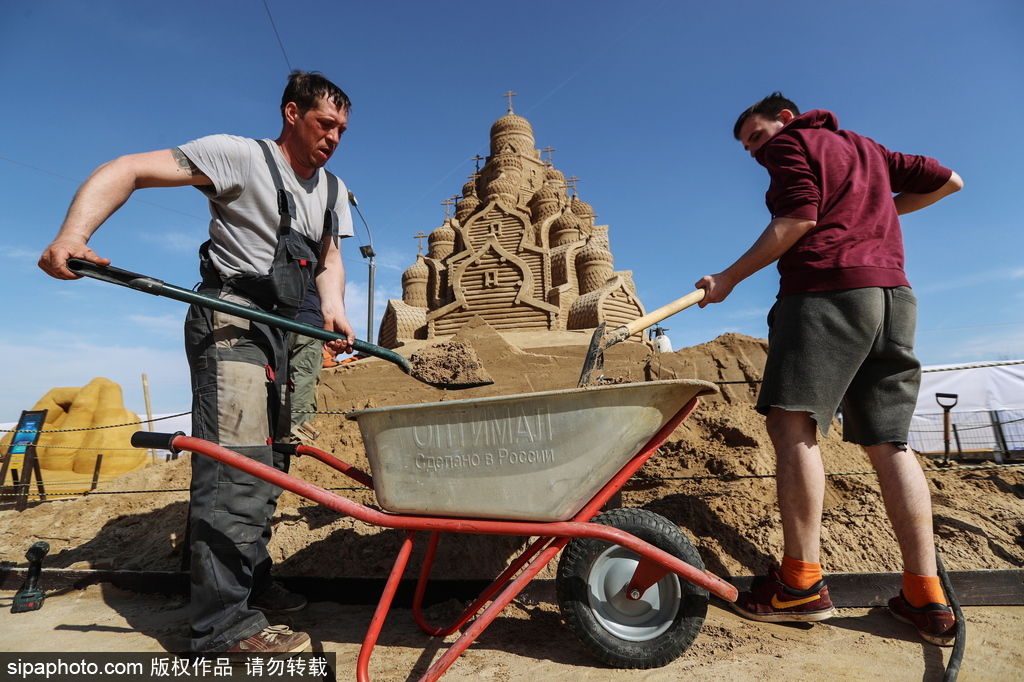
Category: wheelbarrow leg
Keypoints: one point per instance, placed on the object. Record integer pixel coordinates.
(491, 612)
(373, 632)
(494, 588)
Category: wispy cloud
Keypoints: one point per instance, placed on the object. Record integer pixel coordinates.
(175, 242)
(19, 253)
(972, 280)
(748, 314)
(166, 325)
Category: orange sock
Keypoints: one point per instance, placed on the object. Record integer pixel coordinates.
(919, 590)
(800, 575)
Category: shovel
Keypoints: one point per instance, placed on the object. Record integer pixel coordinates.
(602, 340)
(157, 287)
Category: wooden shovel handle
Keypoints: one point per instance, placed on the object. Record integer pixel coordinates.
(664, 311)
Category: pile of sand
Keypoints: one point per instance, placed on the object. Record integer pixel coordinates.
(712, 478)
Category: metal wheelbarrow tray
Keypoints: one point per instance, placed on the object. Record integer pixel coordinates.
(630, 584)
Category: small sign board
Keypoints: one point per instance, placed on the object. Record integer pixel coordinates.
(27, 432)
(23, 444)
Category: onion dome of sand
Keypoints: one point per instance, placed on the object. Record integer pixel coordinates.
(555, 177)
(565, 229)
(441, 241)
(544, 204)
(465, 208)
(511, 130)
(505, 170)
(594, 262)
(445, 234)
(468, 203)
(414, 283)
(582, 209)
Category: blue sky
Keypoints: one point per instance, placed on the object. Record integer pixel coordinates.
(638, 99)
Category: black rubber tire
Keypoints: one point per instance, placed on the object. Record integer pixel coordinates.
(648, 633)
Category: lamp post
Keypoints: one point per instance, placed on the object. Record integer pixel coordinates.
(367, 252)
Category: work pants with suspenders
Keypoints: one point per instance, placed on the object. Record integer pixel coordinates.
(240, 400)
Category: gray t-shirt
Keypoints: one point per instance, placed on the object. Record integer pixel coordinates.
(244, 223)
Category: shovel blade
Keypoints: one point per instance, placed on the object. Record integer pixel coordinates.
(594, 362)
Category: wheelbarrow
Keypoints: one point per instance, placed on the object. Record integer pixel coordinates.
(630, 585)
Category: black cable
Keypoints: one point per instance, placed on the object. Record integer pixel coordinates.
(287, 63)
(953, 667)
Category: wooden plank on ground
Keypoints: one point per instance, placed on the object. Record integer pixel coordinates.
(848, 590)
(973, 588)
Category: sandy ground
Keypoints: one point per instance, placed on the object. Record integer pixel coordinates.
(529, 643)
(713, 479)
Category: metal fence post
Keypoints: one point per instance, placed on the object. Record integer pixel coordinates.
(997, 430)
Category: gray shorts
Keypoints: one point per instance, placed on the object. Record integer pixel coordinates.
(854, 347)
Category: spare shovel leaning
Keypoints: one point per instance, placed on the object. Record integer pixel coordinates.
(602, 340)
(456, 381)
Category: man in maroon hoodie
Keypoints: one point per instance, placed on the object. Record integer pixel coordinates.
(841, 331)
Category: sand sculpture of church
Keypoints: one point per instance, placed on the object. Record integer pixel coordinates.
(520, 252)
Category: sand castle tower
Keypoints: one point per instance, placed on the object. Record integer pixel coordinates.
(520, 252)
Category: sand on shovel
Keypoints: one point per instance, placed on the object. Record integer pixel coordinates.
(453, 364)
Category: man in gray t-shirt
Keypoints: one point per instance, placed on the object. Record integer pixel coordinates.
(261, 257)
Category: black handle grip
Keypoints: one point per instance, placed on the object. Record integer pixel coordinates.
(108, 273)
(37, 551)
(155, 441)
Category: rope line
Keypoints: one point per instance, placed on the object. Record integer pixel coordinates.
(279, 42)
(730, 477)
(76, 447)
(95, 428)
(924, 371)
(719, 383)
(637, 479)
(47, 492)
(961, 429)
(990, 364)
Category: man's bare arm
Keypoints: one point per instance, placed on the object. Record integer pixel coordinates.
(777, 238)
(330, 284)
(908, 202)
(104, 192)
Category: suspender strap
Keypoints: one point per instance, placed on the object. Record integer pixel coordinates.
(330, 215)
(285, 201)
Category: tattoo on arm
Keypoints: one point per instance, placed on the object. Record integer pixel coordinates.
(185, 163)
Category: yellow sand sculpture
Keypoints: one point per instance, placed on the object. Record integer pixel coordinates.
(68, 457)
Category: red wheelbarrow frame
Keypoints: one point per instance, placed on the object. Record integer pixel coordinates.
(551, 538)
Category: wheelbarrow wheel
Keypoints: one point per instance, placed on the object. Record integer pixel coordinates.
(649, 632)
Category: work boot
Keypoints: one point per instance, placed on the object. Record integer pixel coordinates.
(276, 639)
(276, 598)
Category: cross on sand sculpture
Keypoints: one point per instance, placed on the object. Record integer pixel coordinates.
(448, 203)
(548, 152)
(419, 245)
(572, 183)
(477, 159)
(510, 95)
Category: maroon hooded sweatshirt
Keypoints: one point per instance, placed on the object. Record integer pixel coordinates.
(845, 182)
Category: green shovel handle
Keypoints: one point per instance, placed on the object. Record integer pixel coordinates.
(156, 287)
